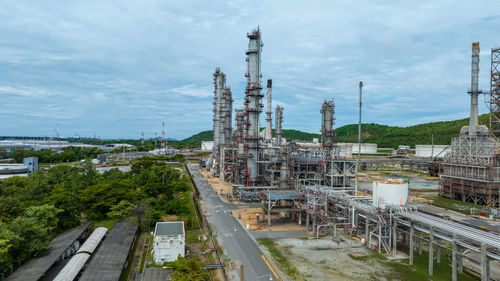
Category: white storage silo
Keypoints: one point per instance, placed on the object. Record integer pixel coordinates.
(427, 150)
(389, 192)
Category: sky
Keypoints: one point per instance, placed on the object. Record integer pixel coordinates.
(114, 69)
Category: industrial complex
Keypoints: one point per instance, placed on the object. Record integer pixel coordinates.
(316, 184)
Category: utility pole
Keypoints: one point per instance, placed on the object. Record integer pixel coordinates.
(359, 135)
(432, 146)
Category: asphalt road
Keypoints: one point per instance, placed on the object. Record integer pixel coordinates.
(233, 239)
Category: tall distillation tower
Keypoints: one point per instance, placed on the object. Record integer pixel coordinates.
(278, 115)
(268, 135)
(327, 119)
(253, 105)
(219, 85)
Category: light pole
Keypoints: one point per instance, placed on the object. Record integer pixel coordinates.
(267, 275)
(359, 134)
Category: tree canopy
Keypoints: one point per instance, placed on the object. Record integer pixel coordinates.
(34, 209)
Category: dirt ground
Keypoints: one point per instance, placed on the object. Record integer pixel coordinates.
(169, 217)
(221, 187)
(249, 217)
(324, 259)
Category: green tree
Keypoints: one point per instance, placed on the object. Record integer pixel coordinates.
(9, 241)
(45, 215)
(188, 269)
(121, 210)
(69, 203)
(34, 238)
(101, 197)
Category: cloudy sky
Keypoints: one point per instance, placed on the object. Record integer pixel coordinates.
(115, 69)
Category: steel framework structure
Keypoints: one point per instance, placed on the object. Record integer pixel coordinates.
(495, 92)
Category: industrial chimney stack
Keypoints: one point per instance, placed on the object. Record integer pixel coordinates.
(474, 91)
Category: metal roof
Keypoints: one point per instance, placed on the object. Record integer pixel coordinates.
(37, 267)
(73, 267)
(169, 228)
(109, 260)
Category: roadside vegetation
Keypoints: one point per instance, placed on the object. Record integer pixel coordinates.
(281, 259)
(34, 209)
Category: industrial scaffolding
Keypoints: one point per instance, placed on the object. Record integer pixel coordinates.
(471, 171)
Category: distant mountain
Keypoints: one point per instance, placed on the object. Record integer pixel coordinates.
(383, 135)
(288, 134)
(392, 136)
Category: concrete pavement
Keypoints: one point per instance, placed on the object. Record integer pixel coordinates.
(234, 240)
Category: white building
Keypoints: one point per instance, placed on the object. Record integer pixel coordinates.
(169, 241)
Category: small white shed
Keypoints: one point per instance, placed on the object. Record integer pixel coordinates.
(169, 241)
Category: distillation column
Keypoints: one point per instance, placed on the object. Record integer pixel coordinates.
(228, 127)
(269, 125)
(240, 124)
(327, 119)
(253, 105)
(219, 83)
(474, 91)
(277, 126)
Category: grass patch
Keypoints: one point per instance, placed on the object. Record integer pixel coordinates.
(105, 223)
(193, 236)
(282, 261)
(401, 270)
(423, 190)
(420, 269)
(455, 205)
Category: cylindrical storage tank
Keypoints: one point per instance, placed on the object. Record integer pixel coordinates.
(345, 149)
(93, 241)
(426, 150)
(367, 148)
(390, 192)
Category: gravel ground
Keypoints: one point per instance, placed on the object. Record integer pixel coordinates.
(324, 259)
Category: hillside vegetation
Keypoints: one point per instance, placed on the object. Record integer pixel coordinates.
(383, 135)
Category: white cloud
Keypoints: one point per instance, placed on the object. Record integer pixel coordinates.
(118, 68)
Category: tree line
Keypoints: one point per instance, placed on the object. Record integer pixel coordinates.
(67, 154)
(34, 209)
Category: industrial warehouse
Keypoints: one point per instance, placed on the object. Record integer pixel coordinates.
(316, 184)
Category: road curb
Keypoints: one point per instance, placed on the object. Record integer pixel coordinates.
(267, 260)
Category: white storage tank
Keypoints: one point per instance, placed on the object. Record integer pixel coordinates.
(367, 148)
(207, 145)
(426, 150)
(390, 192)
(345, 149)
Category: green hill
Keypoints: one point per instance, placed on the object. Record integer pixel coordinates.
(383, 135)
(392, 136)
(288, 134)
